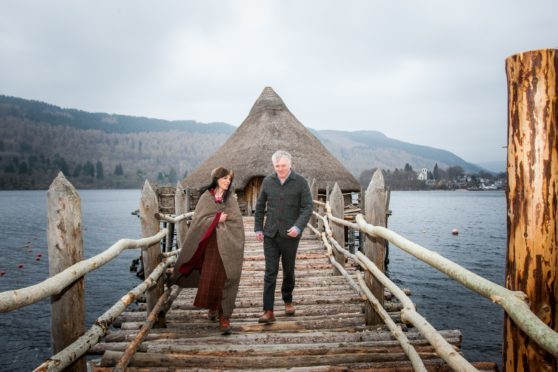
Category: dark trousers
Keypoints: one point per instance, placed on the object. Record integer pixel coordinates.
(274, 249)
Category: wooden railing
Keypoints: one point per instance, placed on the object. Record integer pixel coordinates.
(65, 285)
(514, 303)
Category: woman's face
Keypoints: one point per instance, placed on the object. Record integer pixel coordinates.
(224, 182)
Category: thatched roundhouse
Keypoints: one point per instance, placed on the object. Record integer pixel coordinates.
(270, 126)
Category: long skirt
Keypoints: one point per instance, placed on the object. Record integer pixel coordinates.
(212, 278)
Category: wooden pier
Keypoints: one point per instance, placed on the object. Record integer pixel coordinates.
(328, 332)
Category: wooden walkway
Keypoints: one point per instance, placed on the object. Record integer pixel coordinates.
(327, 333)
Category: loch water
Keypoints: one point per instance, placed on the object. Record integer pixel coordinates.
(425, 217)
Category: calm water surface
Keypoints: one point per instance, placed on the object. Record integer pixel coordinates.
(25, 333)
(426, 218)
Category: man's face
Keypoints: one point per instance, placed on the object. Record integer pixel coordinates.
(282, 167)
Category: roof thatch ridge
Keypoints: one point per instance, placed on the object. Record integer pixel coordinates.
(270, 126)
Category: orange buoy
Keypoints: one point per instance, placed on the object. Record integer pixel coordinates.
(37, 258)
(39, 255)
(20, 266)
(2, 273)
(454, 232)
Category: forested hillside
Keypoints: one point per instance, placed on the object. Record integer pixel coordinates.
(98, 150)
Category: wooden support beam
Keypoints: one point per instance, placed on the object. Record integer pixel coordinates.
(65, 248)
(151, 255)
(337, 209)
(374, 247)
(314, 191)
(532, 194)
(181, 206)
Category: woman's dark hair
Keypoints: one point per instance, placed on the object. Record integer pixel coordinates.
(217, 173)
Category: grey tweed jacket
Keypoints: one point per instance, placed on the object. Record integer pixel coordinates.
(284, 206)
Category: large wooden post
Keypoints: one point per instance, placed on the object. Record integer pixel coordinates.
(151, 255)
(337, 210)
(65, 248)
(374, 248)
(314, 192)
(181, 206)
(532, 198)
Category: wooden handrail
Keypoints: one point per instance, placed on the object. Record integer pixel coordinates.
(408, 313)
(338, 266)
(15, 299)
(513, 302)
(396, 330)
(173, 219)
(144, 331)
(80, 346)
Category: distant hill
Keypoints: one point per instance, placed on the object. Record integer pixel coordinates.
(369, 149)
(100, 150)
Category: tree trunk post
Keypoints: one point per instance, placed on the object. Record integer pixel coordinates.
(337, 210)
(532, 194)
(151, 256)
(181, 206)
(314, 192)
(65, 248)
(320, 222)
(374, 248)
(361, 201)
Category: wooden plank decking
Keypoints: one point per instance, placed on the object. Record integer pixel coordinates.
(327, 333)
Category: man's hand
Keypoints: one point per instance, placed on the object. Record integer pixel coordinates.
(223, 217)
(259, 236)
(293, 232)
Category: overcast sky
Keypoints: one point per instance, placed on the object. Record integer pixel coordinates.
(425, 72)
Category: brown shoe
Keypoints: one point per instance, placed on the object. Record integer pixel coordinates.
(289, 309)
(212, 315)
(267, 317)
(225, 325)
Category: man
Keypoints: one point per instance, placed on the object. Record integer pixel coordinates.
(289, 207)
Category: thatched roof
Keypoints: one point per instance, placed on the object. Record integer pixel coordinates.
(269, 127)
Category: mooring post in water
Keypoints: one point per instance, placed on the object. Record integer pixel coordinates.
(337, 206)
(65, 248)
(374, 248)
(151, 255)
(181, 206)
(532, 199)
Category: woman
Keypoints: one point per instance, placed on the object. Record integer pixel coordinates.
(213, 251)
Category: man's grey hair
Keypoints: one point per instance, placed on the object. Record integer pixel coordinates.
(281, 154)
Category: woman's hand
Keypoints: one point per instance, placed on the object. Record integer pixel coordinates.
(223, 217)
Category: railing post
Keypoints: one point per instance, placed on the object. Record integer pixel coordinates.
(337, 206)
(181, 206)
(532, 194)
(374, 248)
(320, 222)
(151, 255)
(314, 192)
(65, 248)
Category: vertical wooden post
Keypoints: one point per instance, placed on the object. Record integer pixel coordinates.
(170, 237)
(65, 248)
(361, 202)
(151, 256)
(320, 222)
(374, 248)
(337, 210)
(314, 191)
(532, 199)
(181, 206)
